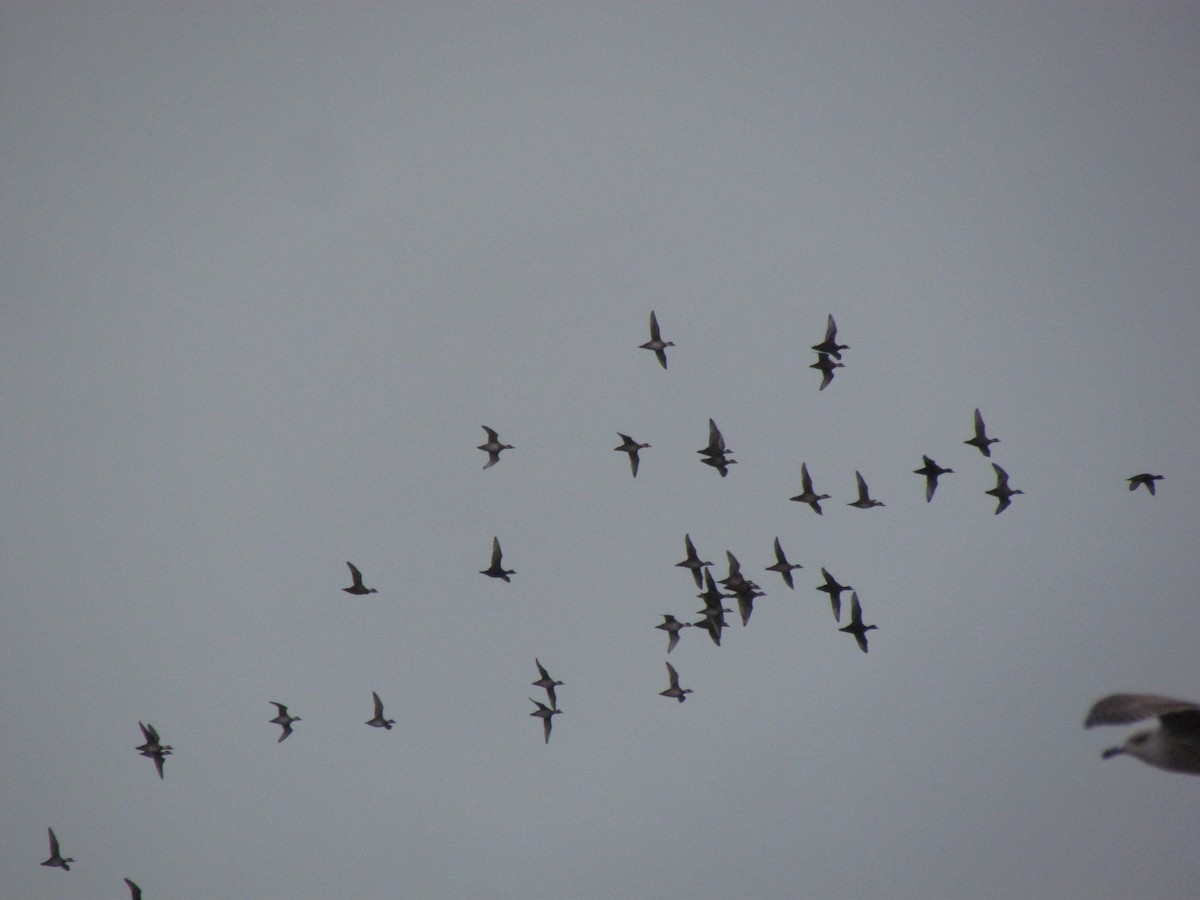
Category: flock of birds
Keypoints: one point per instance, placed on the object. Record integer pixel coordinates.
(1173, 746)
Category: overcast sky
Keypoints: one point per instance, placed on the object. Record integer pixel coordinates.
(267, 268)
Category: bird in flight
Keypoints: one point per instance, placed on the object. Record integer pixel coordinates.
(807, 494)
(932, 471)
(357, 586)
(1145, 480)
(864, 500)
(656, 343)
(672, 627)
(545, 713)
(693, 561)
(545, 681)
(830, 344)
(981, 440)
(630, 446)
(496, 570)
(674, 690)
(782, 566)
(834, 590)
(856, 626)
(154, 748)
(1174, 746)
(56, 859)
(378, 721)
(283, 720)
(1002, 491)
(825, 365)
(493, 447)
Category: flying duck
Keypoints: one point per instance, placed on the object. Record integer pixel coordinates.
(493, 447)
(283, 720)
(807, 494)
(782, 566)
(378, 721)
(357, 586)
(656, 343)
(545, 681)
(630, 446)
(496, 570)
(981, 440)
(856, 626)
(674, 690)
(864, 500)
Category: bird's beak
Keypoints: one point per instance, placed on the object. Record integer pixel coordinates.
(1111, 752)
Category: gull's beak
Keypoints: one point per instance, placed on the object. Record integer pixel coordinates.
(1111, 752)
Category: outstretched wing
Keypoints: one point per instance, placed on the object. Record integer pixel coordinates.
(1122, 709)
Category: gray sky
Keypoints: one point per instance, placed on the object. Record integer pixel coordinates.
(265, 272)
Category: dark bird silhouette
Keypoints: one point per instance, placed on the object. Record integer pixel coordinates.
(864, 500)
(830, 344)
(716, 442)
(981, 440)
(1002, 491)
(713, 614)
(693, 561)
(1174, 746)
(544, 713)
(807, 494)
(545, 681)
(674, 690)
(135, 892)
(56, 859)
(378, 721)
(782, 566)
(734, 579)
(720, 463)
(656, 343)
(931, 471)
(496, 570)
(834, 590)
(154, 748)
(630, 446)
(825, 365)
(283, 720)
(672, 627)
(746, 593)
(357, 586)
(856, 626)
(493, 447)
(1144, 480)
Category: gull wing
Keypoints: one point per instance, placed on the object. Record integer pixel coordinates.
(1123, 709)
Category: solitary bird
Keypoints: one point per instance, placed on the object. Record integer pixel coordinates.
(1002, 491)
(807, 494)
(825, 365)
(56, 860)
(981, 440)
(135, 892)
(154, 748)
(782, 566)
(283, 720)
(674, 690)
(856, 626)
(693, 561)
(378, 721)
(1174, 746)
(834, 590)
(630, 446)
(1144, 480)
(545, 681)
(672, 627)
(830, 344)
(864, 500)
(357, 586)
(544, 713)
(932, 471)
(496, 570)
(656, 343)
(493, 447)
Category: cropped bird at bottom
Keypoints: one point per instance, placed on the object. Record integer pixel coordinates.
(1174, 746)
(135, 892)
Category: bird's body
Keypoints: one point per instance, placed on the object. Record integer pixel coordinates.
(856, 626)
(378, 721)
(493, 447)
(56, 860)
(1002, 492)
(674, 690)
(864, 500)
(830, 344)
(544, 713)
(357, 587)
(1145, 480)
(783, 567)
(981, 440)
(283, 720)
(496, 569)
(807, 494)
(630, 446)
(825, 365)
(834, 590)
(545, 681)
(672, 627)
(656, 343)
(693, 561)
(932, 471)
(1174, 746)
